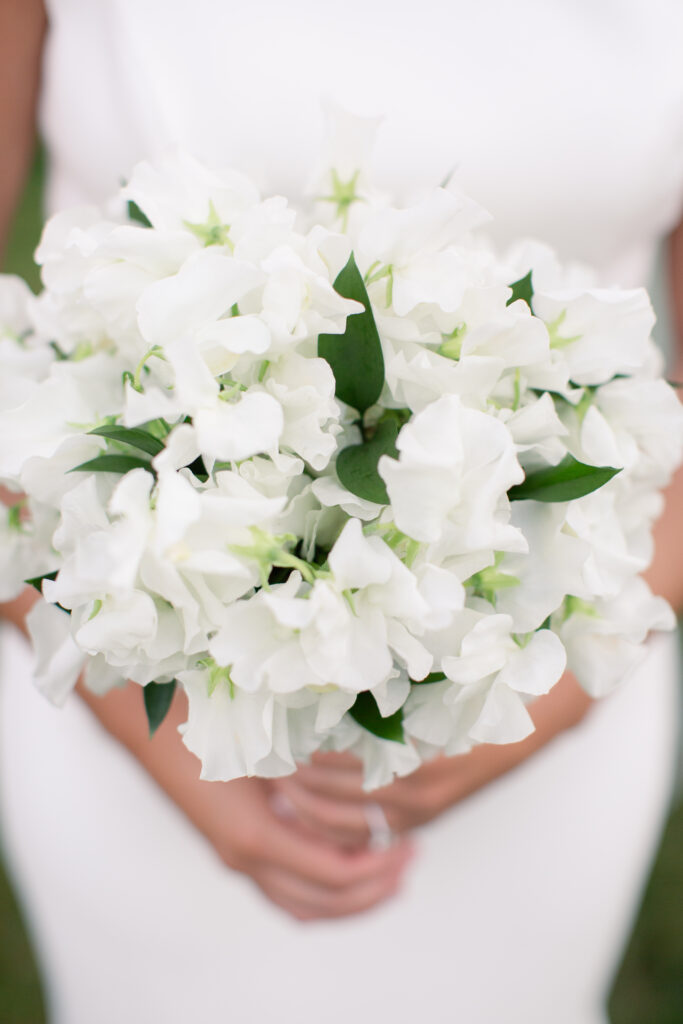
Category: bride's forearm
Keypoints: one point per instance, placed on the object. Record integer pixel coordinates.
(22, 30)
(665, 575)
(16, 611)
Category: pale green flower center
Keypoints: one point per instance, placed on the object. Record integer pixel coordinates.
(213, 231)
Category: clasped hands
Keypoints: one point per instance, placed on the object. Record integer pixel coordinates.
(315, 861)
(310, 851)
(304, 839)
(325, 801)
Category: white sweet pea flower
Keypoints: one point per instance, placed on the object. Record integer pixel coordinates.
(102, 551)
(15, 300)
(340, 182)
(494, 676)
(390, 696)
(414, 249)
(537, 581)
(69, 241)
(135, 634)
(26, 529)
(331, 494)
(538, 432)
(340, 633)
(259, 641)
(341, 647)
(99, 677)
(189, 559)
(232, 732)
(491, 327)
(231, 432)
(73, 395)
(12, 553)
(257, 230)
(67, 252)
(22, 369)
(59, 660)
(450, 481)
(312, 715)
(176, 191)
(25, 360)
(119, 627)
(417, 376)
(595, 520)
(47, 480)
(443, 592)
(645, 418)
(189, 317)
(299, 300)
(605, 638)
(283, 476)
(152, 403)
(304, 389)
(599, 332)
(588, 436)
(373, 577)
(180, 450)
(126, 262)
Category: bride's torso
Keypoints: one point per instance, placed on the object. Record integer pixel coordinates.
(563, 117)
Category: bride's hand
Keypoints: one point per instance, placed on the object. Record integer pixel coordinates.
(298, 870)
(327, 796)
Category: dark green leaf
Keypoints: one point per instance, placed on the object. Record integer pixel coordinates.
(433, 677)
(564, 482)
(132, 436)
(522, 289)
(357, 464)
(199, 469)
(37, 581)
(367, 714)
(356, 355)
(136, 214)
(158, 697)
(112, 464)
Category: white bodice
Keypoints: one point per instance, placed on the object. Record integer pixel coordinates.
(563, 117)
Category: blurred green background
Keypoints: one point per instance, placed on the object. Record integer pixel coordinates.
(649, 987)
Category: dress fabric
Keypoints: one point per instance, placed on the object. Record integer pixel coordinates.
(565, 119)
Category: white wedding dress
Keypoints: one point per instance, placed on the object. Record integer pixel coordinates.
(564, 119)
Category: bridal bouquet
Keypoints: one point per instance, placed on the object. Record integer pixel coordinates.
(347, 475)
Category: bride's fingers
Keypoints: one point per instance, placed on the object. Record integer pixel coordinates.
(336, 759)
(342, 821)
(308, 901)
(284, 846)
(339, 783)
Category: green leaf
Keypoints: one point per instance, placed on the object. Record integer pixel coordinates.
(357, 464)
(199, 469)
(367, 714)
(158, 697)
(522, 289)
(112, 464)
(356, 355)
(37, 581)
(132, 436)
(564, 482)
(136, 214)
